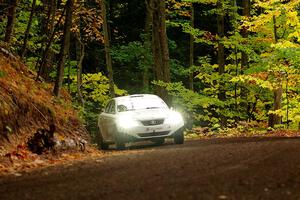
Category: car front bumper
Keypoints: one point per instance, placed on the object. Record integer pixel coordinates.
(150, 132)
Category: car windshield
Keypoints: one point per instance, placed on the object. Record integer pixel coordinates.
(139, 103)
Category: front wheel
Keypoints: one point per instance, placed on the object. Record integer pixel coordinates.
(103, 145)
(179, 137)
(120, 142)
(120, 145)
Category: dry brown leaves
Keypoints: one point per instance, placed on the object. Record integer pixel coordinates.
(284, 133)
(200, 132)
(22, 160)
(27, 105)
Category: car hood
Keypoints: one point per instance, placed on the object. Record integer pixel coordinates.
(148, 114)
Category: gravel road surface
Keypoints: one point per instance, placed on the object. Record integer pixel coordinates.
(236, 168)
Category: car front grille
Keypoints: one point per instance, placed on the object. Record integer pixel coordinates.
(154, 134)
(153, 122)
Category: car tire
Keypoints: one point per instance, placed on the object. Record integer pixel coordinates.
(159, 141)
(103, 145)
(179, 137)
(120, 143)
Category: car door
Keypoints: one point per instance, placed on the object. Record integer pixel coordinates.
(111, 120)
(103, 121)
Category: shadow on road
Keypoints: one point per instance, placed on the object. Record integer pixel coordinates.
(146, 145)
(247, 139)
(141, 145)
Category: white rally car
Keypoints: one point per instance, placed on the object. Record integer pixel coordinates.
(139, 117)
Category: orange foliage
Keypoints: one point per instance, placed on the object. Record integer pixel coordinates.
(27, 105)
(261, 75)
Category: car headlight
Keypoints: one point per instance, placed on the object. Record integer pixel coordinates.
(175, 118)
(126, 122)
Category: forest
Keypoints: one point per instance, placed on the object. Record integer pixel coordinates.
(219, 62)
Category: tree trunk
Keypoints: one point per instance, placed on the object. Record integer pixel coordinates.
(246, 13)
(69, 72)
(221, 56)
(107, 50)
(26, 34)
(11, 19)
(49, 28)
(191, 56)
(147, 43)
(160, 48)
(79, 71)
(273, 118)
(244, 105)
(64, 48)
(275, 29)
(234, 24)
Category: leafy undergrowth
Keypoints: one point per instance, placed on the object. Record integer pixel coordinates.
(243, 129)
(27, 105)
(22, 160)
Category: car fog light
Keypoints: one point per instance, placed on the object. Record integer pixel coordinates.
(175, 118)
(126, 122)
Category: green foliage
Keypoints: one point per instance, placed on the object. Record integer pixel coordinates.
(133, 60)
(200, 36)
(248, 89)
(2, 74)
(135, 53)
(137, 58)
(2, 29)
(34, 40)
(89, 113)
(194, 106)
(95, 88)
(202, 1)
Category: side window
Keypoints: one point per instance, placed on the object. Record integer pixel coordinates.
(122, 108)
(112, 108)
(107, 108)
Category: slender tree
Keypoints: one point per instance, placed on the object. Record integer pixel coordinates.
(246, 7)
(26, 34)
(273, 118)
(160, 47)
(11, 19)
(79, 68)
(221, 54)
(246, 13)
(107, 50)
(50, 29)
(244, 105)
(64, 48)
(234, 24)
(147, 42)
(191, 56)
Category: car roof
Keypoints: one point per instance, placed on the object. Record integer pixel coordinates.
(136, 96)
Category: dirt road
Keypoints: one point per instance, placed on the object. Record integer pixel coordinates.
(240, 168)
